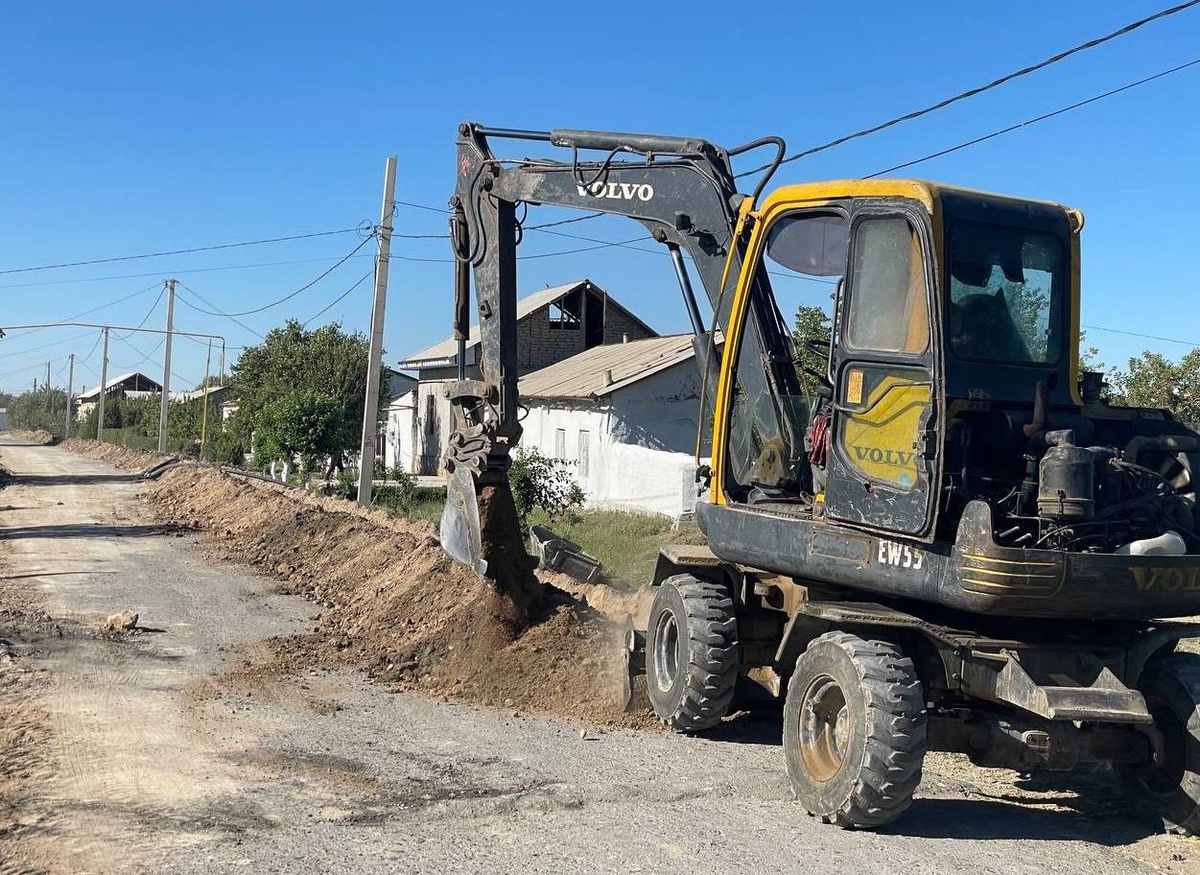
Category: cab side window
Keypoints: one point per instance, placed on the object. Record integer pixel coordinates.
(889, 310)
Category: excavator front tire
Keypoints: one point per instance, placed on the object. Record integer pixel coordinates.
(854, 730)
(1169, 791)
(691, 653)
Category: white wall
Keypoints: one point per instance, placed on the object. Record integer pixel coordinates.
(398, 447)
(640, 441)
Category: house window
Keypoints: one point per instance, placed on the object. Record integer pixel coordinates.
(430, 415)
(560, 443)
(585, 440)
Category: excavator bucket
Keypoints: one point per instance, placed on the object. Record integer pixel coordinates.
(460, 531)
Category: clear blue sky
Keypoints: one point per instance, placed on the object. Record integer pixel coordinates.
(141, 127)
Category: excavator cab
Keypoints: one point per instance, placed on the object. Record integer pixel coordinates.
(926, 281)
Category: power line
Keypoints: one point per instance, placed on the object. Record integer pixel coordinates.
(194, 249)
(339, 298)
(1143, 336)
(183, 300)
(995, 83)
(425, 207)
(122, 300)
(177, 273)
(44, 346)
(291, 295)
(1035, 119)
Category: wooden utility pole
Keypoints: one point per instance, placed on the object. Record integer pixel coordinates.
(70, 390)
(103, 387)
(366, 466)
(166, 382)
(204, 401)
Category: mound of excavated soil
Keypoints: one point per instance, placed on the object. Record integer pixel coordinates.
(119, 457)
(397, 606)
(36, 437)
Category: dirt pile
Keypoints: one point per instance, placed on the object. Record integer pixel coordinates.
(397, 606)
(34, 437)
(126, 458)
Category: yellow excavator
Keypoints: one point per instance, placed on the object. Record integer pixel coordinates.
(924, 532)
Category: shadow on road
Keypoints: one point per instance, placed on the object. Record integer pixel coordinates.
(69, 479)
(1017, 817)
(51, 573)
(85, 530)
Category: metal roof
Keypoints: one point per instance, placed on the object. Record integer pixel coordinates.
(444, 353)
(142, 380)
(603, 370)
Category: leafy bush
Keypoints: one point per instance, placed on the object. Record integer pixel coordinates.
(39, 410)
(545, 483)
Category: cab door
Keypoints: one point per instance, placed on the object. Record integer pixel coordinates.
(882, 470)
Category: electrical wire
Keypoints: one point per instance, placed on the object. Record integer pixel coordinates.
(293, 294)
(995, 83)
(177, 273)
(194, 249)
(214, 312)
(339, 298)
(76, 316)
(1193, 343)
(1031, 121)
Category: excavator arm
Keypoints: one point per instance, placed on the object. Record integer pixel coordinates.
(682, 189)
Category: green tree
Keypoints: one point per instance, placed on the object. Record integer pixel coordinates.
(45, 410)
(1153, 380)
(327, 361)
(305, 424)
(810, 324)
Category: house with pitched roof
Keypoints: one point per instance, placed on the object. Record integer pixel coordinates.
(553, 324)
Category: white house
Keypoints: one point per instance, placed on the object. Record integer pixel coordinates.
(552, 325)
(625, 416)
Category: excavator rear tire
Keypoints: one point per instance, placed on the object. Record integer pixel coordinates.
(1169, 791)
(691, 653)
(854, 730)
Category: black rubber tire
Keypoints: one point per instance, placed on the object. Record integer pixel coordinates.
(1169, 792)
(691, 653)
(861, 771)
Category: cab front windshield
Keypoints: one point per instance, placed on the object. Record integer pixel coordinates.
(1006, 292)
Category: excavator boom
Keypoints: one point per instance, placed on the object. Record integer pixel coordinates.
(682, 189)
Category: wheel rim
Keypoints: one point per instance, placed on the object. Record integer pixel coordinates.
(824, 728)
(666, 650)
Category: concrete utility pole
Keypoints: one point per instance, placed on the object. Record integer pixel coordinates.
(204, 401)
(366, 467)
(46, 385)
(166, 383)
(103, 387)
(70, 390)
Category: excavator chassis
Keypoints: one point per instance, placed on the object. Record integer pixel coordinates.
(1026, 695)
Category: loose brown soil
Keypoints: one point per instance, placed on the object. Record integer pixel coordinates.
(396, 605)
(34, 437)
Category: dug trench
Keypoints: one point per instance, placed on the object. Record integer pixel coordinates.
(395, 605)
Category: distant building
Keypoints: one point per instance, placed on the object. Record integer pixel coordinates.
(217, 395)
(625, 417)
(552, 325)
(131, 385)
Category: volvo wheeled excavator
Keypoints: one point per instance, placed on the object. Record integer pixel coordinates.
(925, 532)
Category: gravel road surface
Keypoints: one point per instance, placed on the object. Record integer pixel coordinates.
(175, 750)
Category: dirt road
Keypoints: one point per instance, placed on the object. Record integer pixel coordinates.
(175, 749)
